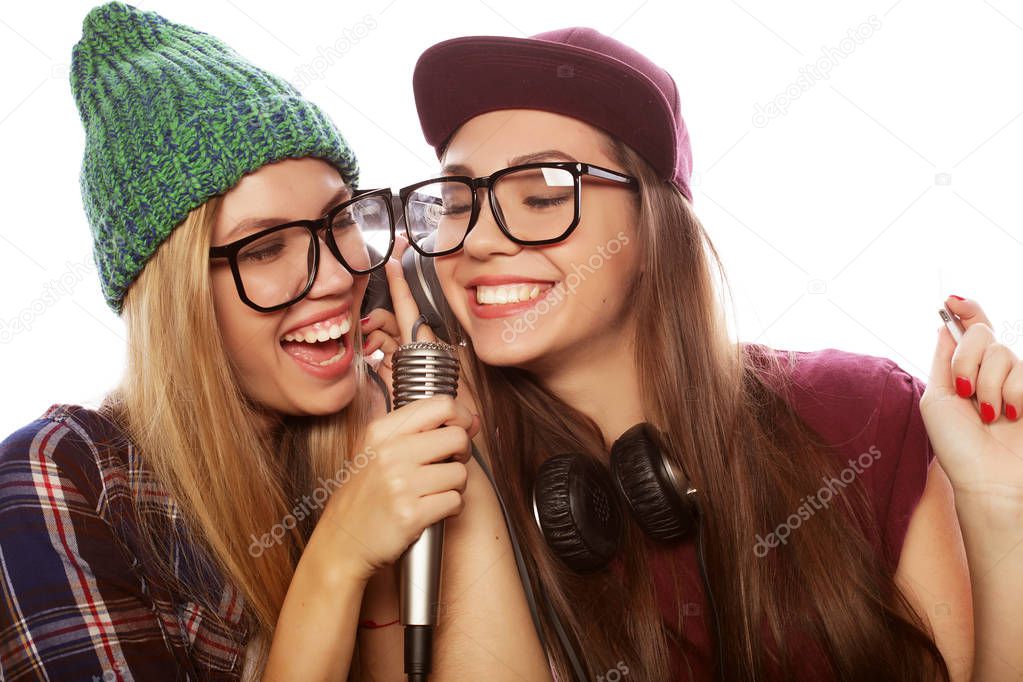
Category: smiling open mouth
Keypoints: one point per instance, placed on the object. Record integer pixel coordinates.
(318, 344)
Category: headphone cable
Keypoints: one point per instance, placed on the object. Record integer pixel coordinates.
(710, 593)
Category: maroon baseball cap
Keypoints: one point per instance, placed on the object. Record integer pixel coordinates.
(576, 72)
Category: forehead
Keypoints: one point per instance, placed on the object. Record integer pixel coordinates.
(290, 189)
(490, 141)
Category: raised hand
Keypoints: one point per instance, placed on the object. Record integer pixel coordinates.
(978, 442)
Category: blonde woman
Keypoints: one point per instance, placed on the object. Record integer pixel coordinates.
(233, 509)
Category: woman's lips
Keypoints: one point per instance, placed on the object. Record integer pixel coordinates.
(495, 310)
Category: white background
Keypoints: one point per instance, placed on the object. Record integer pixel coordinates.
(843, 222)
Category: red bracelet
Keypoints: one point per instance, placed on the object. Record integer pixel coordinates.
(371, 624)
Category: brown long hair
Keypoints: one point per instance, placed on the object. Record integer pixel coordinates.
(206, 444)
(751, 456)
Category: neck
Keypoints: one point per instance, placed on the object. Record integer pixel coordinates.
(602, 382)
(269, 422)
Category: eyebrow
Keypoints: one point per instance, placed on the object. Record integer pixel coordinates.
(534, 157)
(249, 224)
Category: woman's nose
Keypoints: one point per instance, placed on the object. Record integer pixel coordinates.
(331, 277)
(486, 238)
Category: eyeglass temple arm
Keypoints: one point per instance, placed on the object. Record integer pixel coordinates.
(607, 174)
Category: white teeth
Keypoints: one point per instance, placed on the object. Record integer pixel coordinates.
(336, 358)
(506, 293)
(314, 333)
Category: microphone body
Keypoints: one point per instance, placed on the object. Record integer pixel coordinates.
(420, 370)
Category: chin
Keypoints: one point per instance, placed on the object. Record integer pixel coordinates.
(495, 351)
(316, 403)
(333, 399)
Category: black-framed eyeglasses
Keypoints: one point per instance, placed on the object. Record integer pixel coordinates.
(276, 267)
(533, 204)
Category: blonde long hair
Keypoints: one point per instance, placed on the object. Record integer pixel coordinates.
(181, 405)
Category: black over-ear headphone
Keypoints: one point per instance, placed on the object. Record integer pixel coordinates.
(577, 504)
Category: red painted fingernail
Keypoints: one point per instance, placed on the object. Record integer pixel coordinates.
(1010, 412)
(987, 412)
(963, 387)
(365, 319)
(958, 298)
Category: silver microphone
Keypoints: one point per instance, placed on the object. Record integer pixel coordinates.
(420, 370)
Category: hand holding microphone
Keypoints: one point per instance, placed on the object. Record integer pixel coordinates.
(421, 368)
(409, 472)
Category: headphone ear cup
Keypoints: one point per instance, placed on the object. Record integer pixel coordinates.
(421, 276)
(576, 509)
(660, 505)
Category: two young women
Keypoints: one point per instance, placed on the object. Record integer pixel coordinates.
(127, 532)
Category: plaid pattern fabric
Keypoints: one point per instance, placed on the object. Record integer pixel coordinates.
(81, 598)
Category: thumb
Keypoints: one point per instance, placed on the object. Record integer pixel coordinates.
(968, 311)
(941, 367)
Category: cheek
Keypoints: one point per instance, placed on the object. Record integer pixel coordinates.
(602, 268)
(359, 291)
(454, 294)
(621, 268)
(241, 328)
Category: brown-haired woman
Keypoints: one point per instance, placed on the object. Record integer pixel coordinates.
(585, 291)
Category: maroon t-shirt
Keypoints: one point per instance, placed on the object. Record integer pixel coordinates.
(855, 402)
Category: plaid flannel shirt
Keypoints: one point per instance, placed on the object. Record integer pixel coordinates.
(82, 600)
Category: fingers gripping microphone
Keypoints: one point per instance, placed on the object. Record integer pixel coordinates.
(422, 369)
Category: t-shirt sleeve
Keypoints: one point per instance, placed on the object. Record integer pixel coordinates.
(73, 608)
(868, 409)
(904, 460)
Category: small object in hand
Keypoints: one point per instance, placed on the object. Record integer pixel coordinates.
(955, 327)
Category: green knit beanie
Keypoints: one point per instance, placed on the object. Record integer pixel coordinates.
(173, 117)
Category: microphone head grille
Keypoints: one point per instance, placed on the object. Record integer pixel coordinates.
(423, 369)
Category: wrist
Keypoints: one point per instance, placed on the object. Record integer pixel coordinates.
(333, 569)
(994, 507)
(370, 624)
